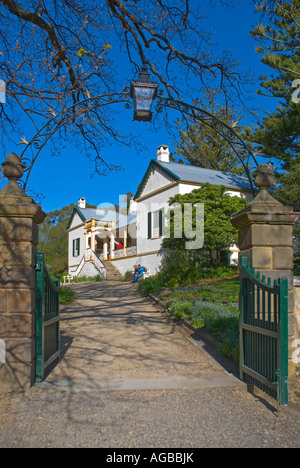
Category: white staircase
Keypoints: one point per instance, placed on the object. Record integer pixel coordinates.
(90, 267)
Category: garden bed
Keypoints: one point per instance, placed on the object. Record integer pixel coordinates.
(211, 307)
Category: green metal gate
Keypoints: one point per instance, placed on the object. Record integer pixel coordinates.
(47, 319)
(264, 332)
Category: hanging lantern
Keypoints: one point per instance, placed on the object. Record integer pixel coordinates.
(143, 92)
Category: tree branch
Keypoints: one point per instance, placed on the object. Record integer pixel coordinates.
(34, 18)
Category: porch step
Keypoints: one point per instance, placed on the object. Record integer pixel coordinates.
(112, 274)
(88, 269)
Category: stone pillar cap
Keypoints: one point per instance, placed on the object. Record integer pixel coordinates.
(264, 209)
(13, 200)
(264, 179)
(13, 167)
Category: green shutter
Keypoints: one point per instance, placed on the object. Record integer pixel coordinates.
(160, 222)
(149, 225)
(76, 247)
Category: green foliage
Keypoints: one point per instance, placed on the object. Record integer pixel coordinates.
(297, 267)
(218, 319)
(228, 287)
(221, 271)
(81, 279)
(150, 285)
(53, 238)
(297, 250)
(288, 189)
(180, 267)
(224, 291)
(213, 306)
(219, 233)
(278, 134)
(176, 277)
(202, 146)
(66, 294)
(58, 276)
(127, 276)
(185, 268)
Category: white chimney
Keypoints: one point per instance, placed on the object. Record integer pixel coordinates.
(81, 202)
(132, 206)
(163, 153)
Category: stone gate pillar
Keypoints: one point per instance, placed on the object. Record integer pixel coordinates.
(266, 236)
(19, 219)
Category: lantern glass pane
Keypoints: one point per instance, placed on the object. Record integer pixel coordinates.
(143, 98)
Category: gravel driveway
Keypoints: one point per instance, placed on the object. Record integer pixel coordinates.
(130, 377)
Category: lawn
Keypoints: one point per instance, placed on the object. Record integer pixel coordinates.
(230, 286)
(225, 290)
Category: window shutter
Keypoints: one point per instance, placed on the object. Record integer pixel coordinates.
(160, 222)
(76, 247)
(149, 225)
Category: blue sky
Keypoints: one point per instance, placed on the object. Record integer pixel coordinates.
(64, 179)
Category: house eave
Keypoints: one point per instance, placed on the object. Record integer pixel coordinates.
(153, 164)
(75, 210)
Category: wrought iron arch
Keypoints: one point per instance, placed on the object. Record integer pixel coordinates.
(242, 151)
(37, 143)
(42, 137)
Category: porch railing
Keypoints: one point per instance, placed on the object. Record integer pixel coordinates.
(120, 253)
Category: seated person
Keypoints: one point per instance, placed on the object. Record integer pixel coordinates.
(139, 271)
(134, 276)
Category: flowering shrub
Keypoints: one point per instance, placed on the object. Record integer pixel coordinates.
(220, 320)
(212, 305)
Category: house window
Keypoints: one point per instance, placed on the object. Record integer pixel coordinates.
(155, 224)
(76, 247)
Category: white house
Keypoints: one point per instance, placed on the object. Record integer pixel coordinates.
(96, 235)
(93, 233)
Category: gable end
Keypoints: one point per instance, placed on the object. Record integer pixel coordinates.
(154, 166)
(77, 211)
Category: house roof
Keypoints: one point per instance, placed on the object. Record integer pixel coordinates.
(100, 214)
(193, 174)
